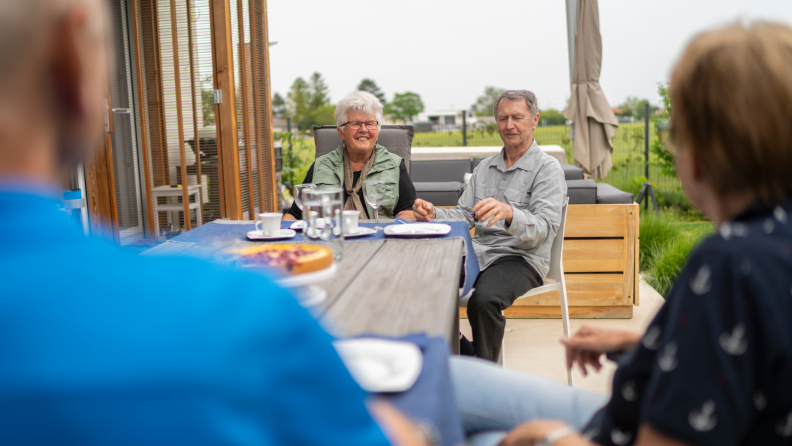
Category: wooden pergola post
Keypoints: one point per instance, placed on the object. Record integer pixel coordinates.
(225, 111)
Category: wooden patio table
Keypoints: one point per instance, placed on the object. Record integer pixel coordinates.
(387, 287)
(394, 288)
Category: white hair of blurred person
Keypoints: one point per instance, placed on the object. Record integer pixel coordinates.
(360, 101)
(52, 82)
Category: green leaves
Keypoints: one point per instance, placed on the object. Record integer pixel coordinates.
(486, 102)
(405, 106)
(370, 86)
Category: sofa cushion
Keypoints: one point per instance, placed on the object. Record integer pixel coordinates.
(440, 170)
(607, 194)
(572, 172)
(582, 191)
(440, 194)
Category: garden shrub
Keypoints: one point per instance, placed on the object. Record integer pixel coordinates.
(669, 259)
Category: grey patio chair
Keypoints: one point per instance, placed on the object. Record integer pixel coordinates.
(554, 282)
(396, 138)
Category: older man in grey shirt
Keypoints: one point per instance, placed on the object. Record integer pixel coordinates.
(514, 200)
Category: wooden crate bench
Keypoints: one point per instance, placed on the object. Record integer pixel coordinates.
(600, 266)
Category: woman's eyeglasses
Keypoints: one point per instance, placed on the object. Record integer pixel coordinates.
(371, 125)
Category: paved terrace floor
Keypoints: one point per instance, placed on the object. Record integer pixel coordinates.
(533, 346)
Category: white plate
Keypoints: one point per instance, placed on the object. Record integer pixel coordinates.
(284, 233)
(360, 231)
(310, 296)
(418, 229)
(381, 365)
(308, 278)
(300, 225)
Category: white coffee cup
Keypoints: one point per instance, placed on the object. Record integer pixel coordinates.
(351, 221)
(270, 223)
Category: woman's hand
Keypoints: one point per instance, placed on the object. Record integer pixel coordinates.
(587, 346)
(528, 434)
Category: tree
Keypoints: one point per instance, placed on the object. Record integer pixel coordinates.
(279, 109)
(320, 95)
(405, 106)
(551, 117)
(486, 102)
(299, 96)
(372, 87)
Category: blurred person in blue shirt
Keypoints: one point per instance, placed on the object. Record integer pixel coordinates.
(99, 346)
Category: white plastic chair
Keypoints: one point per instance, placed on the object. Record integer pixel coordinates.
(556, 283)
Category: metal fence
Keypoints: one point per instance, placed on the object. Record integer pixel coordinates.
(627, 174)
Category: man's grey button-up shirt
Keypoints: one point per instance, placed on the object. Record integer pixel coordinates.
(535, 188)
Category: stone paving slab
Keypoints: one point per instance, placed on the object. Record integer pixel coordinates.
(533, 344)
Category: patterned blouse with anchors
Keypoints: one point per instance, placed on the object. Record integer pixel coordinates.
(715, 365)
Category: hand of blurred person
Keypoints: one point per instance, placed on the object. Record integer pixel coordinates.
(531, 433)
(588, 345)
(492, 208)
(424, 210)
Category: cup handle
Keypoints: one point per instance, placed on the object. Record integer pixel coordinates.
(257, 226)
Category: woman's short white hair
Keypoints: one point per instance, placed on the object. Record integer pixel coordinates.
(359, 101)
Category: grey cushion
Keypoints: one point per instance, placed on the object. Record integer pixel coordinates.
(582, 191)
(476, 162)
(572, 172)
(439, 170)
(440, 194)
(607, 194)
(396, 138)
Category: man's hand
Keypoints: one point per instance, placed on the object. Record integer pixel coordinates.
(490, 207)
(587, 346)
(423, 210)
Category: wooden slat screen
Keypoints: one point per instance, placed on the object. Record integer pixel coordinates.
(251, 65)
(161, 90)
(164, 135)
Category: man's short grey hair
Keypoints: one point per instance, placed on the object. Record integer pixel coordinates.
(529, 97)
(359, 101)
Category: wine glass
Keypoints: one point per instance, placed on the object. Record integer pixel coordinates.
(374, 191)
(298, 200)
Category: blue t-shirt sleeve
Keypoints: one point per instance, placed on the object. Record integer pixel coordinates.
(701, 386)
(312, 397)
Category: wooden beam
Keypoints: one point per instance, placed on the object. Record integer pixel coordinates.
(179, 114)
(254, 50)
(100, 191)
(141, 112)
(195, 107)
(225, 113)
(268, 106)
(242, 54)
(587, 312)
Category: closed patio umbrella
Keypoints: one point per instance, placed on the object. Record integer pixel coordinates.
(594, 121)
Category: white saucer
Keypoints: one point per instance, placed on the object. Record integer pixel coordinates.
(360, 231)
(284, 233)
(310, 296)
(308, 278)
(300, 224)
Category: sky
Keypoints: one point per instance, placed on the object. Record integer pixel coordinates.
(448, 51)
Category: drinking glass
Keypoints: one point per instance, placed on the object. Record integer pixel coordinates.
(327, 205)
(374, 191)
(298, 200)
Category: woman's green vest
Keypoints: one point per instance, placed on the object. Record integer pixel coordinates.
(329, 172)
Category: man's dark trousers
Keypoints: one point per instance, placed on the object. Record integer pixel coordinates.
(506, 279)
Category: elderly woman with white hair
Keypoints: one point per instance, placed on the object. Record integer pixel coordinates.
(360, 158)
